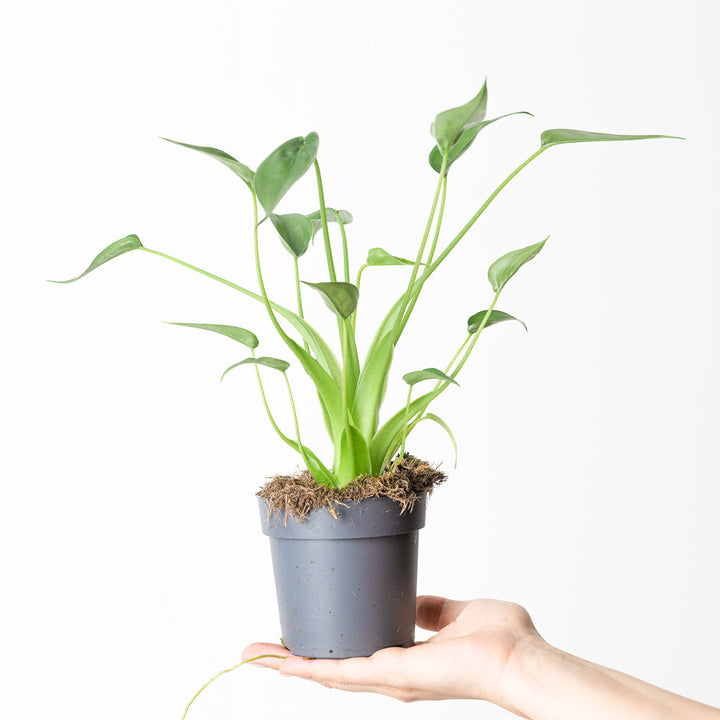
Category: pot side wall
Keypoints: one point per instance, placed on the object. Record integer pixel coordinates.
(346, 587)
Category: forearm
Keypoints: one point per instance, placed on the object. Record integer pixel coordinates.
(548, 684)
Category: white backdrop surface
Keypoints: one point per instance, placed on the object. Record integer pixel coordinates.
(588, 482)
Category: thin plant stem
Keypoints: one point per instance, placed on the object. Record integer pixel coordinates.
(405, 433)
(295, 418)
(217, 278)
(299, 298)
(326, 234)
(359, 275)
(433, 247)
(443, 384)
(418, 260)
(346, 387)
(455, 357)
(261, 282)
(357, 285)
(481, 327)
(346, 257)
(285, 337)
(430, 269)
(297, 289)
(438, 224)
(212, 276)
(282, 435)
(224, 672)
(323, 218)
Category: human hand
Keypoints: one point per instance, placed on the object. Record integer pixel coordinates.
(473, 655)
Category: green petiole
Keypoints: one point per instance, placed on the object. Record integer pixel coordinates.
(418, 260)
(325, 230)
(350, 395)
(430, 269)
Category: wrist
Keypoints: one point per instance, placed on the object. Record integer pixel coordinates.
(522, 680)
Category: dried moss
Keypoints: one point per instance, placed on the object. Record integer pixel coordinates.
(297, 495)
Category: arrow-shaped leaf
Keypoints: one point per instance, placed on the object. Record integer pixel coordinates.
(295, 232)
(333, 215)
(496, 316)
(463, 143)
(449, 124)
(341, 297)
(242, 171)
(506, 266)
(274, 363)
(119, 247)
(239, 334)
(378, 257)
(558, 136)
(283, 168)
(412, 378)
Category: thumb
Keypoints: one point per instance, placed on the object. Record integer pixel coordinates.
(434, 613)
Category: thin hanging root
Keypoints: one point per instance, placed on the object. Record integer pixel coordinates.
(223, 672)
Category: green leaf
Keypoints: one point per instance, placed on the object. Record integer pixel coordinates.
(333, 215)
(506, 266)
(558, 136)
(465, 140)
(355, 463)
(274, 363)
(342, 216)
(451, 123)
(295, 232)
(387, 439)
(388, 323)
(496, 316)
(374, 373)
(371, 385)
(341, 297)
(328, 361)
(378, 256)
(119, 247)
(327, 388)
(243, 336)
(283, 168)
(444, 426)
(412, 378)
(351, 362)
(320, 473)
(242, 171)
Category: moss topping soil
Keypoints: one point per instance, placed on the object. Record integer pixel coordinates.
(297, 495)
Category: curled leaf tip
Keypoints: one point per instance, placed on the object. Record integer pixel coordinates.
(119, 247)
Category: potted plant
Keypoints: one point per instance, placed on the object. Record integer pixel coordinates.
(344, 531)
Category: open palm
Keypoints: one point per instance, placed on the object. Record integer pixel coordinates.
(470, 656)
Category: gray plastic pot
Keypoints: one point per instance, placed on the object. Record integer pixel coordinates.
(346, 587)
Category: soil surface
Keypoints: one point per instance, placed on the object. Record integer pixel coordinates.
(297, 495)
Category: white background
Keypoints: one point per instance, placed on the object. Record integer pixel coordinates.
(588, 480)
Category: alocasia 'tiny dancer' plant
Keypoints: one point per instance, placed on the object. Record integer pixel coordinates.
(351, 391)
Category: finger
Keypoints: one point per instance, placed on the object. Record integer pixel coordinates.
(258, 649)
(434, 613)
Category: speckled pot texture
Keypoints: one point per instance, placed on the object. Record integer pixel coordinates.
(346, 587)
